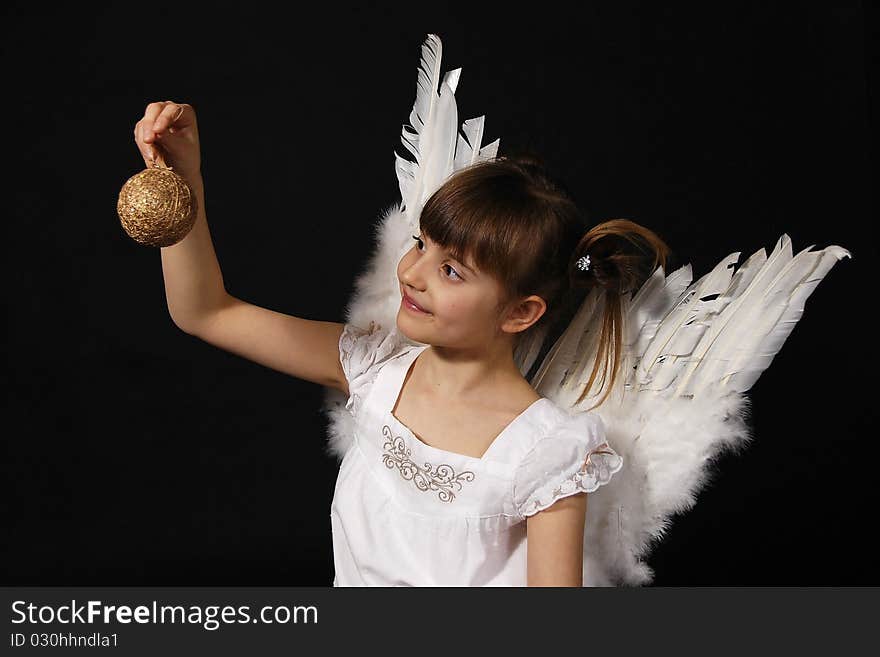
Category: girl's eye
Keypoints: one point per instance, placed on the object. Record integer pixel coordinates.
(457, 277)
(419, 246)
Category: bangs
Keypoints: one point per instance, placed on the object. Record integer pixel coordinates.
(484, 221)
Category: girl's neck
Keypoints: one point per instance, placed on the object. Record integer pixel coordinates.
(457, 374)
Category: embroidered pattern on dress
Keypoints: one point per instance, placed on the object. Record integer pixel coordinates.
(442, 478)
(588, 477)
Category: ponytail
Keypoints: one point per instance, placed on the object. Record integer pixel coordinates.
(617, 256)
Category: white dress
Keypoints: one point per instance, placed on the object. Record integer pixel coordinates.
(405, 513)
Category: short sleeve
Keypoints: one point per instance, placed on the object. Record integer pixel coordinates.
(572, 457)
(361, 351)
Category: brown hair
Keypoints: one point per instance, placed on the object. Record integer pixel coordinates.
(522, 226)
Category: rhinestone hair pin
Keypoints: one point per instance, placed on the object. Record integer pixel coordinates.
(583, 263)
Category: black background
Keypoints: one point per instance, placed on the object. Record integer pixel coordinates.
(136, 454)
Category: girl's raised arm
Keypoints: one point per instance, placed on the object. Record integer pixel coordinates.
(194, 289)
(305, 348)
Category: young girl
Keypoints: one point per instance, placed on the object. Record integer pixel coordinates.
(458, 473)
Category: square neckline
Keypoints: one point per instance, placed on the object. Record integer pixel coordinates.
(407, 365)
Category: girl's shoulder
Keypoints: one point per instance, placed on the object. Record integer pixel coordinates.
(363, 351)
(570, 454)
(552, 422)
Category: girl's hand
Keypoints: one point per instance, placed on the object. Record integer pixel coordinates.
(169, 129)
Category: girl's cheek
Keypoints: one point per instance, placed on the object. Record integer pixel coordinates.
(455, 311)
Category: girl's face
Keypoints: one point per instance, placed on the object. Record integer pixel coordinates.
(460, 303)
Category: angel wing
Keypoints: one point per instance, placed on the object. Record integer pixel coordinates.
(690, 350)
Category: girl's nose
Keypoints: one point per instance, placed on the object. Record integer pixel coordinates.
(413, 275)
(412, 279)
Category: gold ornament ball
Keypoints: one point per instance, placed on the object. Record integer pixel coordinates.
(157, 207)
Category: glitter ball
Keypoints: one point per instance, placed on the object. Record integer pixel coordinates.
(157, 207)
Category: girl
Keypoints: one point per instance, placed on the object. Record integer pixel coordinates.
(459, 473)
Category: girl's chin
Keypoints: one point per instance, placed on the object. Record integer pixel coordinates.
(409, 335)
(409, 325)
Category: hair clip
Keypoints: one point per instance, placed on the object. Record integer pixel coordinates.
(583, 263)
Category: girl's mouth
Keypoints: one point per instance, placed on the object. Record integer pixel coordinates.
(412, 306)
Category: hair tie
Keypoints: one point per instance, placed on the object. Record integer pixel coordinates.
(583, 263)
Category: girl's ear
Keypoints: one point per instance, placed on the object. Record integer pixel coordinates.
(524, 314)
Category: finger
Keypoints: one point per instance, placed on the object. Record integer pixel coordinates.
(150, 115)
(179, 119)
(147, 151)
(170, 115)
